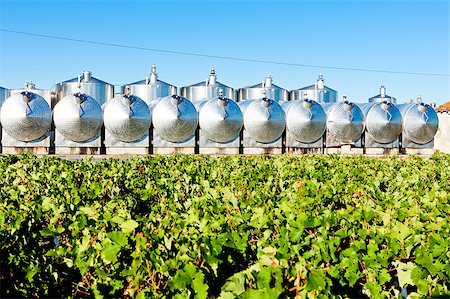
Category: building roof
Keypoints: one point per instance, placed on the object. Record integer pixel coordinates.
(444, 107)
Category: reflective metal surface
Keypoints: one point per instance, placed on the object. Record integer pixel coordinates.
(383, 121)
(175, 119)
(126, 117)
(26, 116)
(78, 117)
(207, 89)
(264, 119)
(48, 95)
(382, 97)
(255, 91)
(344, 121)
(306, 120)
(220, 119)
(420, 122)
(151, 89)
(86, 84)
(317, 92)
(4, 94)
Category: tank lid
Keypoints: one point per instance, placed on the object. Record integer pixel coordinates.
(82, 79)
(382, 95)
(313, 87)
(30, 85)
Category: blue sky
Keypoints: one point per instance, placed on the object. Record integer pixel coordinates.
(411, 36)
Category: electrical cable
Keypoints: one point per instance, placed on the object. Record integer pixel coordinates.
(219, 56)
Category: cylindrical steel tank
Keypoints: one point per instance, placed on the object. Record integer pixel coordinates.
(151, 89)
(306, 120)
(207, 89)
(78, 117)
(264, 119)
(4, 94)
(272, 91)
(126, 117)
(317, 92)
(48, 95)
(26, 116)
(382, 97)
(220, 119)
(88, 85)
(420, 122)
(383, 121)
(344, 121)
(175, 119)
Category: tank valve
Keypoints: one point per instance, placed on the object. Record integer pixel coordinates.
(27, 96)
(222, 101)
(175, 100)
(265, 102)
(128, 100)
(307, 103)
(386, 105)
(348, 106)
(79, 98)
(423, 107)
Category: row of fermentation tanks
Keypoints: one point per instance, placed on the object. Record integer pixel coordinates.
(84, 115)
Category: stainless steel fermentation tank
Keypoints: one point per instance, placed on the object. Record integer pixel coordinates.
(272, 91)
(78, 121)
(127, 121)
(382, 97)
(84, 88)
(317, 92)
(220, 121)
(26, 119)
(86, 84)
(344, 124)
(420, 124)
(151, 89)
(4, 94)
(207, 89)
(383, 124)
(264, 124)
(175, 121)
(306, 122)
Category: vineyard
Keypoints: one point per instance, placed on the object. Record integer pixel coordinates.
(225, 227)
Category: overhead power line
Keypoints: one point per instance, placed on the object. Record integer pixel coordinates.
(219, 56)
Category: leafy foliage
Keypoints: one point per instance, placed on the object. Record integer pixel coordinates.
(226, 227)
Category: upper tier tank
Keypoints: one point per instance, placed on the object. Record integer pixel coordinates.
(207, 89)
(420, 122)
(151, 89)
(317, 92)
(78, 117)
(344, 121)
(382, 97)
(264, 119)
(88, 85)
(175, 119)
(48, 95)
(272, 91)
(220, 119)
(26, 116)
(383, 121)
(126, 117)
(306, 120)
